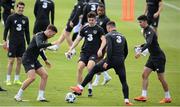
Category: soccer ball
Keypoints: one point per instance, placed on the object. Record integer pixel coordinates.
(70, 97)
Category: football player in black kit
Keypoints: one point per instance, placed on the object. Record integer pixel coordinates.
(31, 64)
(102, 20)
(156, 61)
(94, 42)
(72, 22)
(18, 27)
(90, 6)
(117, 51)
(42, 10)
(152, 10)
(8, 9)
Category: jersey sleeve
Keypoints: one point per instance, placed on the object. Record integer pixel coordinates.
(125, 48)
(35, 8)
(27, 33)
(43, 55)
(7, 27)
(101, 31)
(81, 33)
(109, 49)
(149, 38)
(52, 13)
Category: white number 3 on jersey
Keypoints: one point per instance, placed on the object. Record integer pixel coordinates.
(118, 39)
(90, 37)
(19, 27)
(44, 5)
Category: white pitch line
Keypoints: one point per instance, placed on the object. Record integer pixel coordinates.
(172, 6)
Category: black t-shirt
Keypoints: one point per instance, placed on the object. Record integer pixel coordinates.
(151, 42)
(117, 49)
(18, 25)
(42, 10)
(90, 6)
(92, 38)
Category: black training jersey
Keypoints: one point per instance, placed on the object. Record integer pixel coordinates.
(8, 5)
(90, 6)
(102, 21)
(151, 42)
(42, 10)
(152, 7)
(117, 48)
(92, 38)
(36, 47)
(17, 25)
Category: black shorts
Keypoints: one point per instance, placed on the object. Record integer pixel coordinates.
(69, 28)
(40, 26)
(85, 57)
(153, 21)
(28, 64)
(16, 50)
(156, 64)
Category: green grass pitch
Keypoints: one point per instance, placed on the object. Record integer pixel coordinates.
(62, 75)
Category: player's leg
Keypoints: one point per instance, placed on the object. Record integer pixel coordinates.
(167, 98)
(18, 68)
(81, 66)
(90, 65)
(96, 80)
(9, 70)
(31, 75)
(145, 76)
(11, 58)
(121, 72)
(160, 65)
(107, 78)
(19, 53)
(44, 76)
(97, 68)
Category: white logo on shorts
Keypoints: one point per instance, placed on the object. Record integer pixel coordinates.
(32, 65)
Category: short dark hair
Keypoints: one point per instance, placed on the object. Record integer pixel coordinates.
(52, 27)
(91, 15)
(111, 23)
(142, 17)
(101, 5)
(20, 3)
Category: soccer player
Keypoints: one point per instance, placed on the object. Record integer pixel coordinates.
(90, 6)
(18, 26)
(94, 42)
(1, 89)
(152, 10)
(72, 22)
(102, 20)
(42, 10)
(156, 61)
(117, 51)
(32, 65)
(8, 8)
